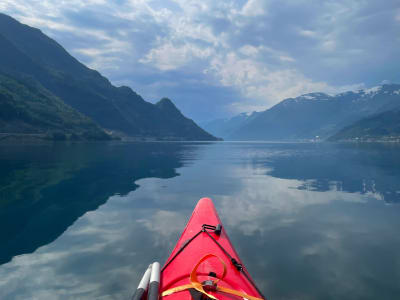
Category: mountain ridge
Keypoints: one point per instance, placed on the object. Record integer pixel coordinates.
(26, 51)
(317, 115)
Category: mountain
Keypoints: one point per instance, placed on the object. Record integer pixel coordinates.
(318, 114)
(28, 109)
(26, 51)
(225, 127)
(37, 204)
(382, 126)
(179, 127)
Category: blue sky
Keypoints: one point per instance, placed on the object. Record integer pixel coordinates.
(219, 58)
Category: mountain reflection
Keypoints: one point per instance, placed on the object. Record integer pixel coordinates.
(304, 230)
(364, 168)
(45, 189)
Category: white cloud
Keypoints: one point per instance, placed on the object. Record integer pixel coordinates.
(253, 8)
(262, 85)
(252, 48)
(308, 33)
(329, 45)
(171, 57)
(286, 58)
(249, 50)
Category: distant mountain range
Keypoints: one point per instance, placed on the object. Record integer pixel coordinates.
(224, 127)
(317, 115)
(27, 55)
(46, 92)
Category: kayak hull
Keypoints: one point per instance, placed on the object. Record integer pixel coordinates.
(197, 243)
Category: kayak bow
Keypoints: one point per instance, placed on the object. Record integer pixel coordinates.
(204, 263)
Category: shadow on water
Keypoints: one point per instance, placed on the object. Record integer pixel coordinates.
(44, 189)
(363, 168)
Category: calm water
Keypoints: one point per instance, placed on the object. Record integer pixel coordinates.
(310, 221)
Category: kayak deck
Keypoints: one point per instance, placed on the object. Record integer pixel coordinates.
(202, 237)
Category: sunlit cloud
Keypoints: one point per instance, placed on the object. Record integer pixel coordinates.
(254, 8)
(170, 57)
(255, 52)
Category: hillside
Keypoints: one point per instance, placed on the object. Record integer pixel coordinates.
(26, 108)
(318, 114)
(383, 126)
(225, 127)
(27, 51)
(179, 127)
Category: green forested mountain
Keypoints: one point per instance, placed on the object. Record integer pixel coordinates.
(28, 108)
(26, 51)
(383, 126)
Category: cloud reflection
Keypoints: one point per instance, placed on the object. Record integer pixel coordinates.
(297, 243)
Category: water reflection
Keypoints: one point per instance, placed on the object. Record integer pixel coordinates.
(370, 168)
(297, 242)
(45, 189)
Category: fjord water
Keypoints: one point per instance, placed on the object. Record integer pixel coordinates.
(310, 221)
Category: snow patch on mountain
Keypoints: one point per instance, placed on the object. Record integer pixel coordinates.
(371, 91)
(309, 97)
(313, 96)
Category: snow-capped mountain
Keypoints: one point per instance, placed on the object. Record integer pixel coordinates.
(317, 114)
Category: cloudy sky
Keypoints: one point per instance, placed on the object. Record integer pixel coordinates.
(218, 58)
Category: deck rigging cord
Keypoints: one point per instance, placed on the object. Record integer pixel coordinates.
(201, 287)
(217, 230)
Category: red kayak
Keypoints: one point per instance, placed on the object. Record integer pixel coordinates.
(204, 264)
